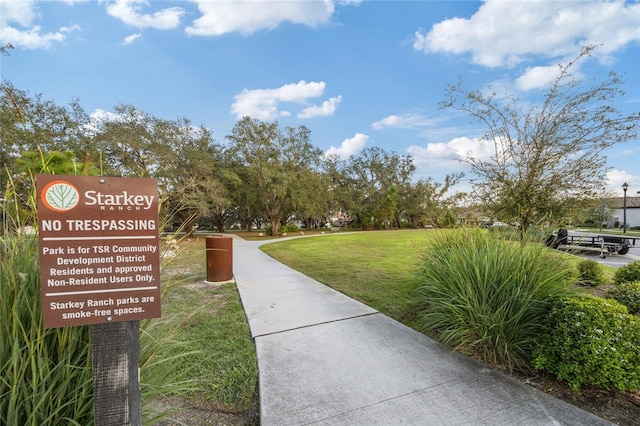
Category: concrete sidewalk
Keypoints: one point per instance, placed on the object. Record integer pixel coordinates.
(326, 359)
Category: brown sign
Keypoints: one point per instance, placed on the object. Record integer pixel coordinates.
(99, 251)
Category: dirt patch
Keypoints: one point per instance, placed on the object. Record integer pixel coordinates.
(193, 413)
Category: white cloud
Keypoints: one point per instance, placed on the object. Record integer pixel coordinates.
(327, 108)
(404, 121)
(263, 104)
(504, 33)
(128, 12)
(98, 117)
(18, 12)
(349, 146)
(247, 17)
(537, 77)
(448, 155)
(17, 26)
(130, 39)
(32, 38)
(615, 179)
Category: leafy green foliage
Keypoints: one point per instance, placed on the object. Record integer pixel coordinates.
(54, 162)
(275, 169)
(628, 273)
(289, 227)
(448, 220)
(489, 294)
(590, 273)
(627, 293)
(372, 186)
(591, 341)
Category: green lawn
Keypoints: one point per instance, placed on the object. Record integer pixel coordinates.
(377, 268)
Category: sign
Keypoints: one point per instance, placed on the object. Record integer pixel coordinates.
(99, 251)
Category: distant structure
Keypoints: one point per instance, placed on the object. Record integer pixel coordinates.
(633, 212)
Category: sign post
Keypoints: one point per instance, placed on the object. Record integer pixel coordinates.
(100, 266)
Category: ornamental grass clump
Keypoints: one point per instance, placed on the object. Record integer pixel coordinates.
(46, 373)
(590, 273)
(490, 295)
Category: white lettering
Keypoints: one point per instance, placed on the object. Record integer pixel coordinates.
(123, 199)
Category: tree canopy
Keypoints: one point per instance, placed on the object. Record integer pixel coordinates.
(548, 157)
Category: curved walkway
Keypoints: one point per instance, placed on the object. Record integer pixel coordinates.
(326, 359)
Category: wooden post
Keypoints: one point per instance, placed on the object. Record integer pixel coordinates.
(116, 381)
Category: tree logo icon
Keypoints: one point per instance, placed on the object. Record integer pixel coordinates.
(60, 196)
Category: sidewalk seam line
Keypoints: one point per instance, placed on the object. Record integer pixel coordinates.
(382, 401)
(313, 325)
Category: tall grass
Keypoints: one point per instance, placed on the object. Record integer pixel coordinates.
(46, 374)
(490, 295)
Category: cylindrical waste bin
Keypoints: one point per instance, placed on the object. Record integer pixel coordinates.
(219, 258)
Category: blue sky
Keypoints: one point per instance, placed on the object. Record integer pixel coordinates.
(356, 73)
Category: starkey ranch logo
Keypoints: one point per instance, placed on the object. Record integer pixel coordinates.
(62, 196)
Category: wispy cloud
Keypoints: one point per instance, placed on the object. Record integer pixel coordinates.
(447, 155)
(405, 121)
(128, 11)
(130, 39)
(615, 179)
(327, 108)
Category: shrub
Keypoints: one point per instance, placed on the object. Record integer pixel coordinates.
(283, 229)
(484, 292)
(628, 273)
(627, 293)
(290, 227)
(449, 220)
(590, 273)
(591, 341)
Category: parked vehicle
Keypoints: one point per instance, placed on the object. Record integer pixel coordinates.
(610, 244)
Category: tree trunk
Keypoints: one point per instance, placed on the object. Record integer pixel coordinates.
(219, 220)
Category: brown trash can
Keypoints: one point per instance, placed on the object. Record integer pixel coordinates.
(219, 258)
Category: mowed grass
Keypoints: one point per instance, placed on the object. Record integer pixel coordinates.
(378, 268)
